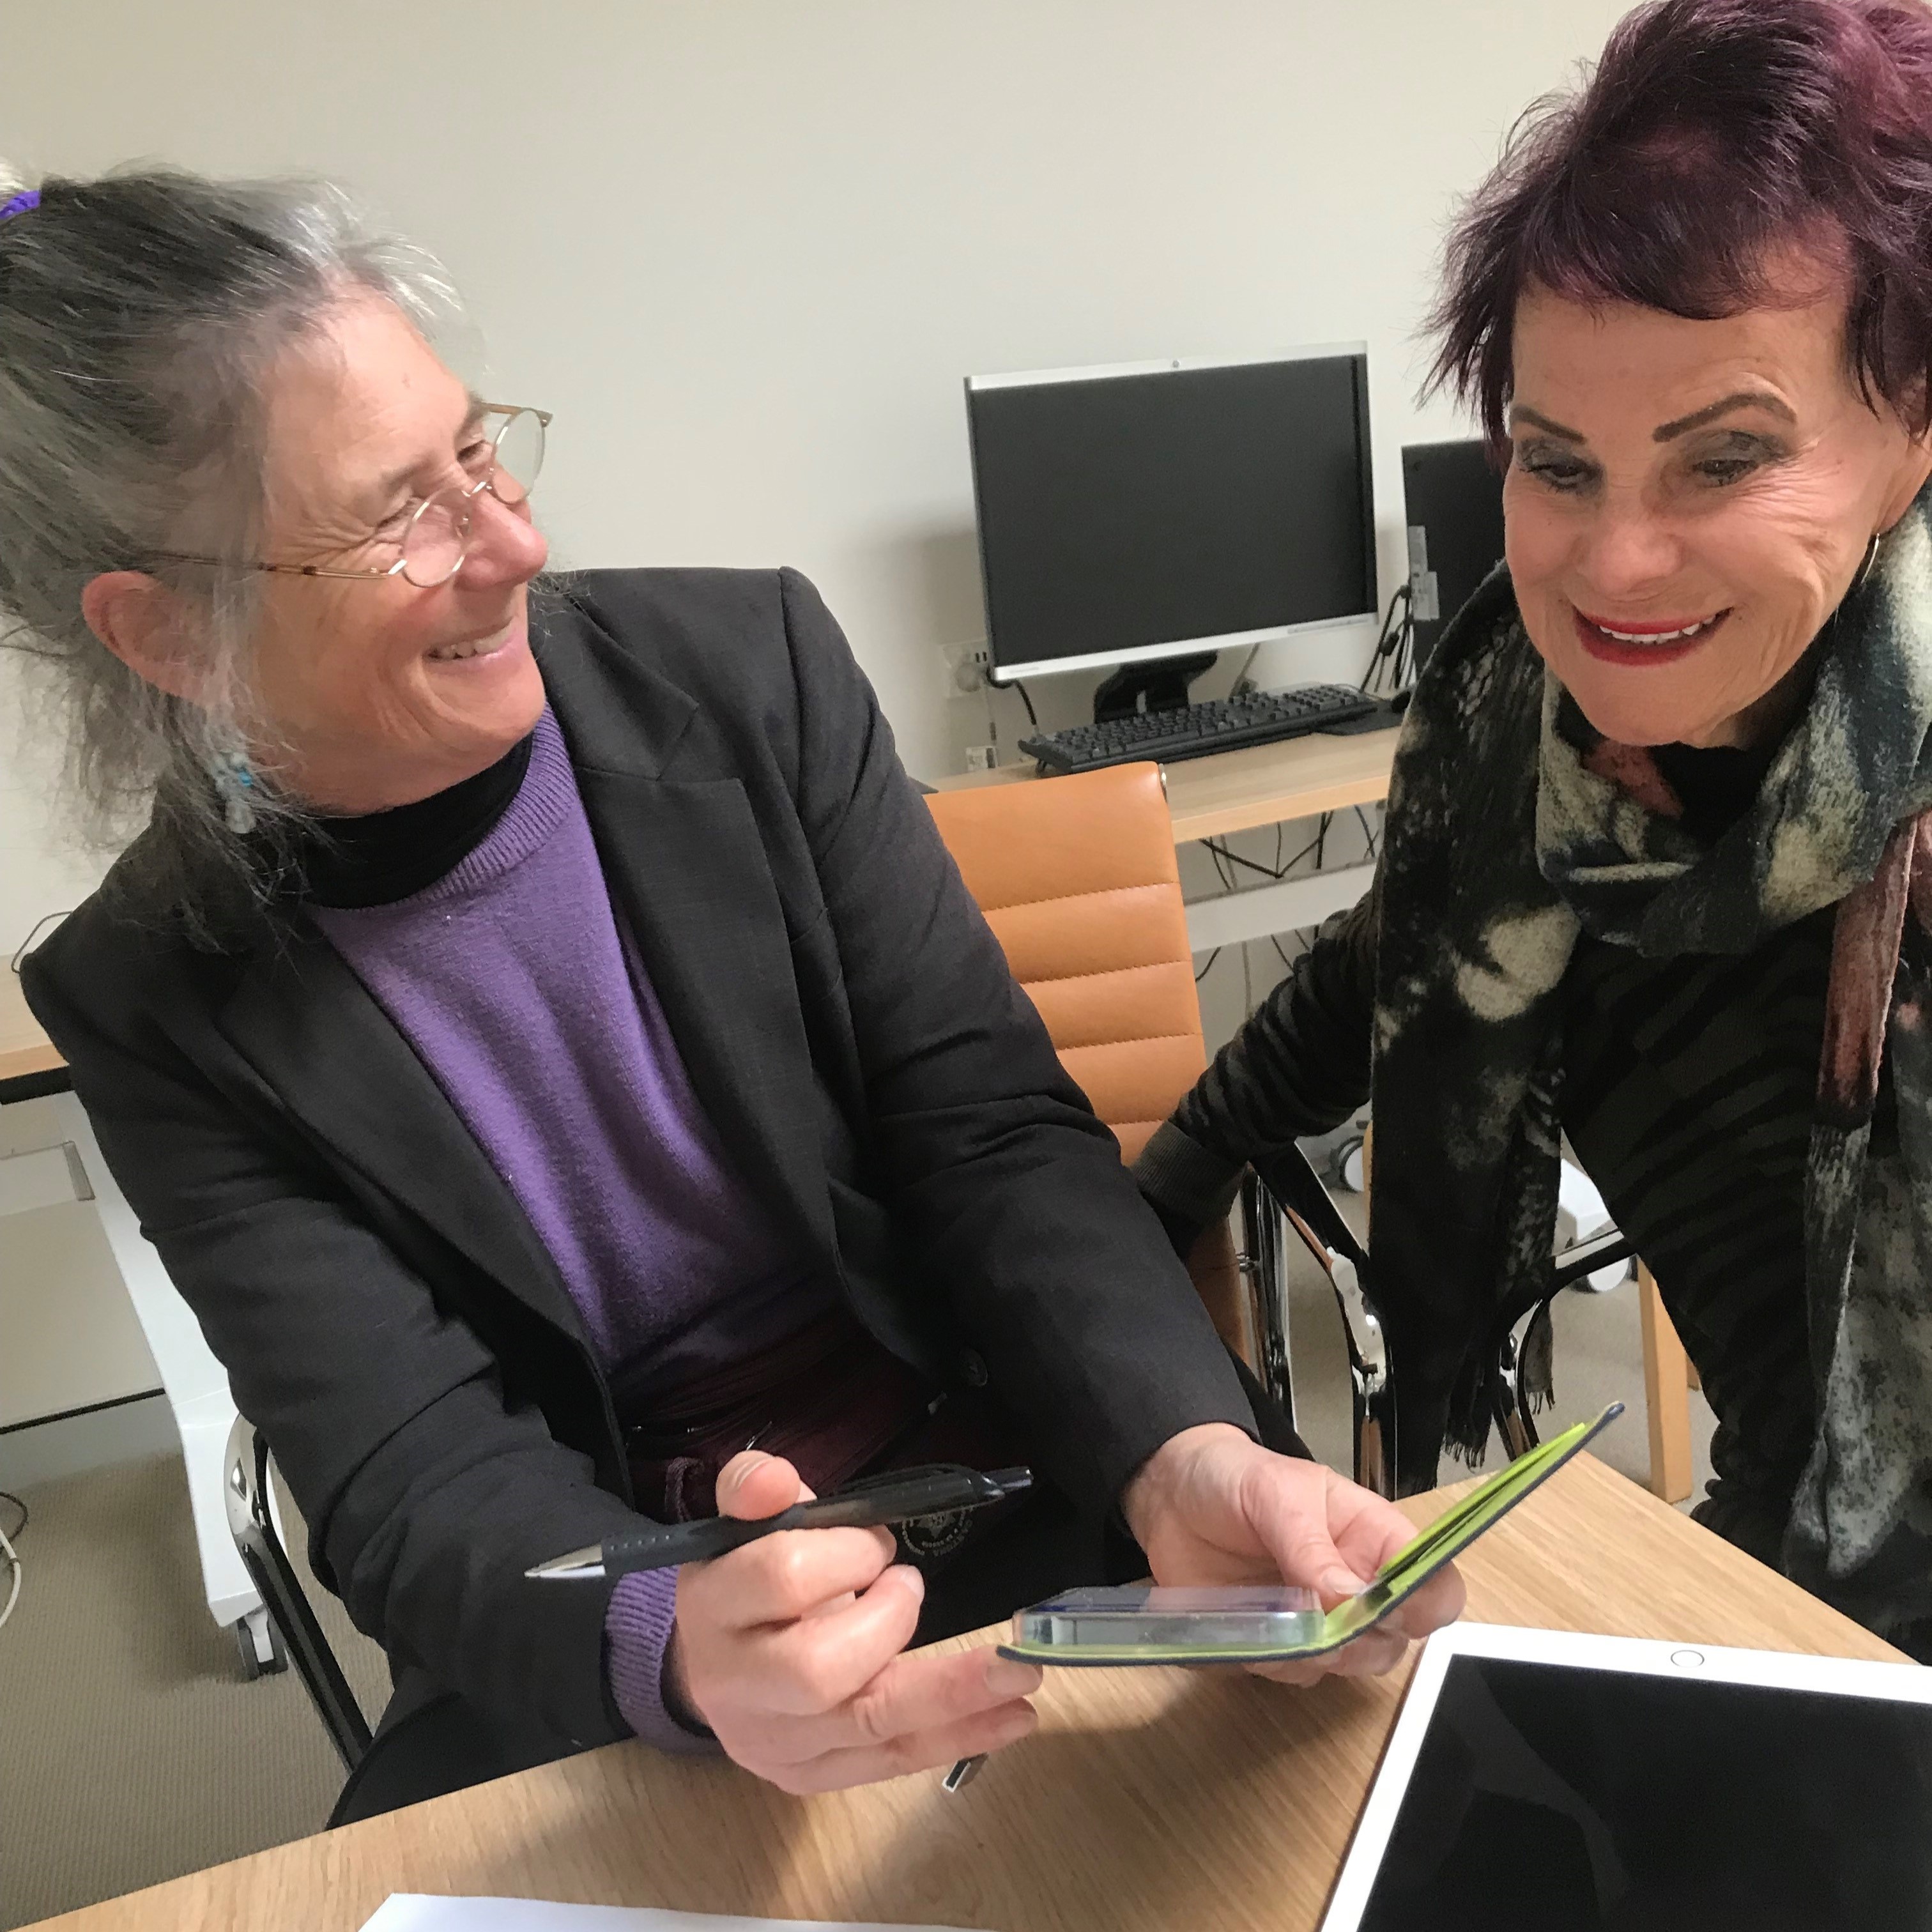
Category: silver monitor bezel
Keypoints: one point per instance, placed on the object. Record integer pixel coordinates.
(1000, 674)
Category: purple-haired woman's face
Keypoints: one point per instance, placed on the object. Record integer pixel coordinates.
(1686, 504)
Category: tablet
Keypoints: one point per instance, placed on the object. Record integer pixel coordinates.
(1540, 1779)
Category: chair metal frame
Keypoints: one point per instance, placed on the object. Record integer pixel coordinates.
(1264, 1219)
(1574, 1264)
(1262, 1255)
(251, 1521)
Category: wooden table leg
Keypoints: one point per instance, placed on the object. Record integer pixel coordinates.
(1666, 1388)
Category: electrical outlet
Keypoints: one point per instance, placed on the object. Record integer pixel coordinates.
(982, 757)
(963, 669)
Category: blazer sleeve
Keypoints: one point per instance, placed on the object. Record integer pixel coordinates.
(426, 1492)
(1299, 1065)
(1011, 1194)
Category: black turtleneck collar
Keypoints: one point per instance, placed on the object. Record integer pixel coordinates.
(1716, 785)
(387, 856)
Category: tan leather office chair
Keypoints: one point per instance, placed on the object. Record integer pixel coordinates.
(1077, 878)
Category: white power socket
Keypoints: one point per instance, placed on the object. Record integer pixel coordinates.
(982, 757)
(963, 669)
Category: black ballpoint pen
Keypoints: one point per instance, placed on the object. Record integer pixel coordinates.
(901, 1495)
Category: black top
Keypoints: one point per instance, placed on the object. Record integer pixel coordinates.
(1714, 785)
(1687, 1095)
(383, 856)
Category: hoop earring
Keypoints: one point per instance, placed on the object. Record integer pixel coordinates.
(1871, 557)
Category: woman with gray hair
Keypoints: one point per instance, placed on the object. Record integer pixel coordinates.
(542, 1033)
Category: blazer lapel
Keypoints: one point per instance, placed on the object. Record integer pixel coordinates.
(305, 1023)
(688, 871)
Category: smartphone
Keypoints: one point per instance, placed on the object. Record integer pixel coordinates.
(1144, 1624)
(1147, 1623)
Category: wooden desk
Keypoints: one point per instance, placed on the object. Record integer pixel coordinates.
(1265, 784)
(26, 1053)
(1149, 1799)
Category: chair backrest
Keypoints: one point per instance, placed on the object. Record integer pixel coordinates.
(1077, 878)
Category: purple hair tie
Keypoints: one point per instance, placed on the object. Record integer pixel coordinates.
(20, 203)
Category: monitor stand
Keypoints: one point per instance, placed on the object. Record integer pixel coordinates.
(1159, 686)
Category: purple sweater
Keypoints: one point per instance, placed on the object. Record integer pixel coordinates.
(513, 980)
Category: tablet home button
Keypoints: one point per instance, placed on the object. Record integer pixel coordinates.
(1687, 1660)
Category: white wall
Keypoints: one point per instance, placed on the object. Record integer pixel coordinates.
(747, 249)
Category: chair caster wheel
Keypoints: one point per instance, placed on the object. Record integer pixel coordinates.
(1350, 1167)
(262, 1652)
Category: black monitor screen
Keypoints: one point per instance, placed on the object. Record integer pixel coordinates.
(1548, 1799)
(1121, 512)
(1454, 496)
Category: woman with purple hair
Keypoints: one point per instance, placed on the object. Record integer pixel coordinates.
(1658, 874)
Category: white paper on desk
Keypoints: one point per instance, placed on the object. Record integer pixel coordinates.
(416, 1912)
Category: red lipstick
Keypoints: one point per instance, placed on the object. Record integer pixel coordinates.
(1594, 634)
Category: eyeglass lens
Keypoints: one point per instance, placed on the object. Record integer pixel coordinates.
(438, 534)
(520, 455)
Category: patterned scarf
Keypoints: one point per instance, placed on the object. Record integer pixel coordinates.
(1512, 828)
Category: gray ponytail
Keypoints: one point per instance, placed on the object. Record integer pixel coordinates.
(139, 314)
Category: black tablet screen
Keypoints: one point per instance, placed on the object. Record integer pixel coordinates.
(1550, 1799)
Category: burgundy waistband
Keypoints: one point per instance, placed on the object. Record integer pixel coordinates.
(829, 1399)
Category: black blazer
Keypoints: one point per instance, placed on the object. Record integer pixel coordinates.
(388, 1315)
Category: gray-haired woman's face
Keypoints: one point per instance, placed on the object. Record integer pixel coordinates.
(1687, 503)
(383, 692)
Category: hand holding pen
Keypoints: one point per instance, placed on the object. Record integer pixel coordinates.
(789, 1649)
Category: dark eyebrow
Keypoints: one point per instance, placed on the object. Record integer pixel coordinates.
(1522, 412)
(1743, 399)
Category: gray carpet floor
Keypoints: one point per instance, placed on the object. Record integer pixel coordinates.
(133, 1749)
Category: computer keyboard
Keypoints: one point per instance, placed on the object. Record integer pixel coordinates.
(1196, 730)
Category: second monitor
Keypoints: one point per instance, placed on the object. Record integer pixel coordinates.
(1453, 493)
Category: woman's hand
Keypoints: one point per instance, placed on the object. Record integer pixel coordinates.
(1211, 1506)
(789, 1650)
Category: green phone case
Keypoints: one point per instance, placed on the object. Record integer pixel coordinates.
(1398, 1579)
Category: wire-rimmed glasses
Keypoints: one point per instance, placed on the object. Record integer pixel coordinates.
(435, 540)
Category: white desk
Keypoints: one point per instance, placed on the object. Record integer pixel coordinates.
(67, 1166)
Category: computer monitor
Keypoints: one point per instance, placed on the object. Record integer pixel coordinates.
(1157, 510)
(1454, 496)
